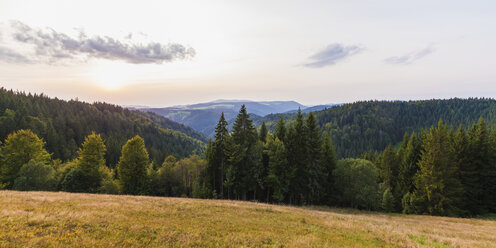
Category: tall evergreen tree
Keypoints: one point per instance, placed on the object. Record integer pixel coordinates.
(263, 132)
(437, 187)
(278, 172)
(315, 168)
(480, 173)
(281, 130)
(328, 156)
(296, 144)
(132, 167)
(218, 158)
(408, 166)
(246, 155)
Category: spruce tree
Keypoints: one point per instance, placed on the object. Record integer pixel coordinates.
(315, 168)
(280, 130)
(132, 167)
(437, 187)
(278, 177)
(408, 166)
(246, 155)
(296, 144)
(328, 156)
(263, 132)
(218, 158)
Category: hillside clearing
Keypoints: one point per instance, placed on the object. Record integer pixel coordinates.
(61, 219)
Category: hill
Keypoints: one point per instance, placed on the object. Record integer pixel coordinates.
(64, 124)
(204, 116)
(358, 127)
(65, 219)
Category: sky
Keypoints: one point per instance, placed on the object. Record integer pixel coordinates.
(163, 53)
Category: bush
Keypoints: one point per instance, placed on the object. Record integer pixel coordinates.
(36, 175)
(356, 183)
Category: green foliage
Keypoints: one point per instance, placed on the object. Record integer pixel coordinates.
(356, 182)
(65, 124)
(36, 175)
(18, 149)
(90, 160)
(438, 189)
(132, 167)
(387, 201)
(279, 176)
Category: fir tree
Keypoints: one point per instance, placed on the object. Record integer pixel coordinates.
(437, 186)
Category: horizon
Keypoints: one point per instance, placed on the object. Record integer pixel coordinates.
(139, 106)
(313, 52)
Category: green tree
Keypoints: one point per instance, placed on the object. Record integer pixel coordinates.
(36, 175)
(262, 134)
(329, 163)
(281, 130)
(356, 183)
(315, 168)
(132, 167)
(278, 177)
(388, 201)
(217, 157)
(296, 145)
(18, 149)
(91, 158)
(437, 186)
(246, 156)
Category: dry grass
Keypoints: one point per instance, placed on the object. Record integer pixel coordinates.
(43, 219)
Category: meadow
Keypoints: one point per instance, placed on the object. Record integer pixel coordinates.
(56, 219)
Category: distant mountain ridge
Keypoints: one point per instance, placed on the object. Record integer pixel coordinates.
(203, 117)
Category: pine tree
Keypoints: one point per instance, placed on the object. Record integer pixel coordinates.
(481, 173)
(408, 166)
(18, 149)
(437, 186)
(278, 177)
(468, 174)
(315, 168)
(328, 156)
(217, 157)
(132, 167)
(263, 132)
(281, 130)
(296, 144)
(246, 155)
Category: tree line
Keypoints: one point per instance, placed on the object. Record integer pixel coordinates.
(26, 165)
(437, 171)
(63, 125)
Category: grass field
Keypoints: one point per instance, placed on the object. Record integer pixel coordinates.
(43, 219)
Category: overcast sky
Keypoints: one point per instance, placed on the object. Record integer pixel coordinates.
(162, 53)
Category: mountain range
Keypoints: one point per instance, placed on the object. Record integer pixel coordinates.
(203, 117)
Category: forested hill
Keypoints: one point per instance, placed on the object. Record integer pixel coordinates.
(358, 127)
(64, 124)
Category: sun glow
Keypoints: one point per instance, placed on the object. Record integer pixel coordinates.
(111, 75)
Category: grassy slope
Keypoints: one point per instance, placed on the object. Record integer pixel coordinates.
(60, 219)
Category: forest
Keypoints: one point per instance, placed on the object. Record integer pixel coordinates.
(361, 126)
(438, 170)
(63, 125)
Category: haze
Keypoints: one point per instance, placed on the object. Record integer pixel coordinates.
(162, 53)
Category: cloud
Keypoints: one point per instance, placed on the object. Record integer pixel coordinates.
(10, 56)
(332, 54)
(410, 57)
(51, 46)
